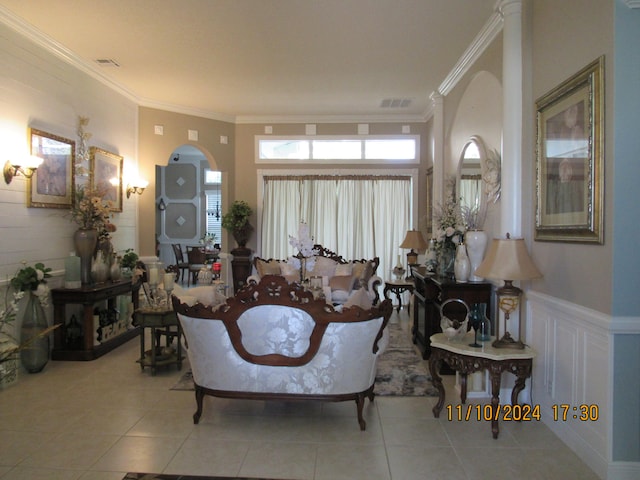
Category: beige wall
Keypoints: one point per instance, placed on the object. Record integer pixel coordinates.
(156, 150)
(563, 43)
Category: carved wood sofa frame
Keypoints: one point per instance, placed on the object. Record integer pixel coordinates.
(274, 290)
(325, 252)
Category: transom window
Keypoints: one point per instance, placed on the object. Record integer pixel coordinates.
(350, 149)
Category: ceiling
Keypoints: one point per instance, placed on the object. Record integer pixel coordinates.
(256, 60)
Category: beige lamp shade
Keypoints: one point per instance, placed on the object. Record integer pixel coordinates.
(508, 259)
(414, 240)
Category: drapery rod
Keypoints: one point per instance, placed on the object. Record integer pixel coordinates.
(336, 177)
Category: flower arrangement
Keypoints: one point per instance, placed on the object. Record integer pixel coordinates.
(451, 226)
(89, 211)
(32, 279)
(473, 217)
(305, 258)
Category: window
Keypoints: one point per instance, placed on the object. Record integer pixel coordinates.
(350, 149)
(213, 195)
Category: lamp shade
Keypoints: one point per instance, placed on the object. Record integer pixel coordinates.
(414, 240)
(508, 259)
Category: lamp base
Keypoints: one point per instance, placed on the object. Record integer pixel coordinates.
(508, 342)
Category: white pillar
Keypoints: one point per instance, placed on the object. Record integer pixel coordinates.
(438, 151)
(512, 111)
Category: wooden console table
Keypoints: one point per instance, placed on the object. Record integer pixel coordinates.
(460, 356)
(87, 296)
(430, 291)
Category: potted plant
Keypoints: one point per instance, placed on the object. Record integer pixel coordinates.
(236, 220)
(128, 262)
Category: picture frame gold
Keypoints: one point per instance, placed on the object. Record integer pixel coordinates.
(53, 183)
(570, 159)
(105, 175)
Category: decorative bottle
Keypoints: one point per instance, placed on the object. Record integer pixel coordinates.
(462, 267)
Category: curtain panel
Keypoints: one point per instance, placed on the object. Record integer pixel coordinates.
(357, 216)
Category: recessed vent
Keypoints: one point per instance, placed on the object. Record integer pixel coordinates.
(395, 103)
(107, 62)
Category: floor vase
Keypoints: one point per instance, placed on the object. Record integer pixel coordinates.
(85, 241)
(34, 352)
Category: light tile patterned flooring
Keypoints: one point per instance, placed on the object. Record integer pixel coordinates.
(98, 420)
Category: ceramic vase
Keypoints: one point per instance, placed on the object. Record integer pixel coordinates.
(35, 354)
(100, 269)
(462, 267)
(85, 241)
(476, 241)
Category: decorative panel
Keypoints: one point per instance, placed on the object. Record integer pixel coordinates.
(181, 181)
(181, 220)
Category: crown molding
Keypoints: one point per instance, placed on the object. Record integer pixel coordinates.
(249, 119)
(50, 45)
(489, 31)
(170, 107)
(632, 3)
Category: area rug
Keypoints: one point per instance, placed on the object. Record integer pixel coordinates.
(164, 476)
(401, 370)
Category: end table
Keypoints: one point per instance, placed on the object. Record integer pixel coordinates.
(160, 322)
(397, 287)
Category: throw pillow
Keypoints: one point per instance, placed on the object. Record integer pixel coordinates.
(359, 299)
(324, 267)
(289, 272)
(270, 267)
(341, 282)
(362, 272)
(344, 269)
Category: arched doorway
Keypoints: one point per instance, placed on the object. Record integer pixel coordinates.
(189, 201)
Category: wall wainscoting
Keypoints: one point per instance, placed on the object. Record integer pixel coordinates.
(574, 367)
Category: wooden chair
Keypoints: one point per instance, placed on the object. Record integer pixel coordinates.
(181, 264)
(196, 258)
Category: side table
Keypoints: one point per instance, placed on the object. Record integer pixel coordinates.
(466, 359)
(397, 287)
(160, 322)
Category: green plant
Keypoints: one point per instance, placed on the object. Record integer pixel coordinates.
(237, 217)
(129, 259)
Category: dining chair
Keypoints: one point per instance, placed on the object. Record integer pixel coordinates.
(181, 263)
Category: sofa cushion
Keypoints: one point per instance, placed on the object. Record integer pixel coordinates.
(267, 267)
(362, 271)
(341, 282)
(344, 269)
(360, 299)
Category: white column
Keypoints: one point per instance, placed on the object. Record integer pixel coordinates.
(438, 151)
(512, 111)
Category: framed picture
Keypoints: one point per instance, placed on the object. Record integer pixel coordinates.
(106, 175)
(52, 184)
(569, 159)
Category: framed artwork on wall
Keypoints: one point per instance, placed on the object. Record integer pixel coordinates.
(570, 159)
(52, 184)
(106, 175)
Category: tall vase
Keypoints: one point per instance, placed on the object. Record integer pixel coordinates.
(446, 259)
(476, 241)
(34, 353)
(85, 244)
(462, 266)
(100, 269)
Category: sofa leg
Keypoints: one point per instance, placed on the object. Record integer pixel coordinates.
(360, 404)
(199, 398)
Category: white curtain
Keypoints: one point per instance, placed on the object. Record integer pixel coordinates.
(355, 216)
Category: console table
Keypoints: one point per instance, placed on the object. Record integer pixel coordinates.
(466, 359)
(88, 296)
(429, 293)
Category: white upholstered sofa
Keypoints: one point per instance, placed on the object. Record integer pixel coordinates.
(274, 341)
(341, 278)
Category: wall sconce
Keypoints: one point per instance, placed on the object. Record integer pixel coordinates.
(27, 168)
(136, 187)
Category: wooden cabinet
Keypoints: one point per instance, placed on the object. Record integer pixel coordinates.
(87, 297)
(430, 292)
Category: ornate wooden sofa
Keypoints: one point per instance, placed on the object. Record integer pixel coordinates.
(272, 340)
(342, 278)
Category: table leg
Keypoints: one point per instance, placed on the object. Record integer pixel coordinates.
(463, 388)
(153, 351)
(435, 361)
(142, 348)
(495, 373)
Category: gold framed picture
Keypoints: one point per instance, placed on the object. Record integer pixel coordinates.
(570, 159)
(105, 172)
(52, 184)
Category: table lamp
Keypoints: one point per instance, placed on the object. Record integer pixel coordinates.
(414, 241)
(508, 260)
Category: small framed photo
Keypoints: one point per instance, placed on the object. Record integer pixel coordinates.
(570, 159)
(52, 184)
(106, 175)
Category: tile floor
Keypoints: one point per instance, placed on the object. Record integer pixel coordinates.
(98, 420)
